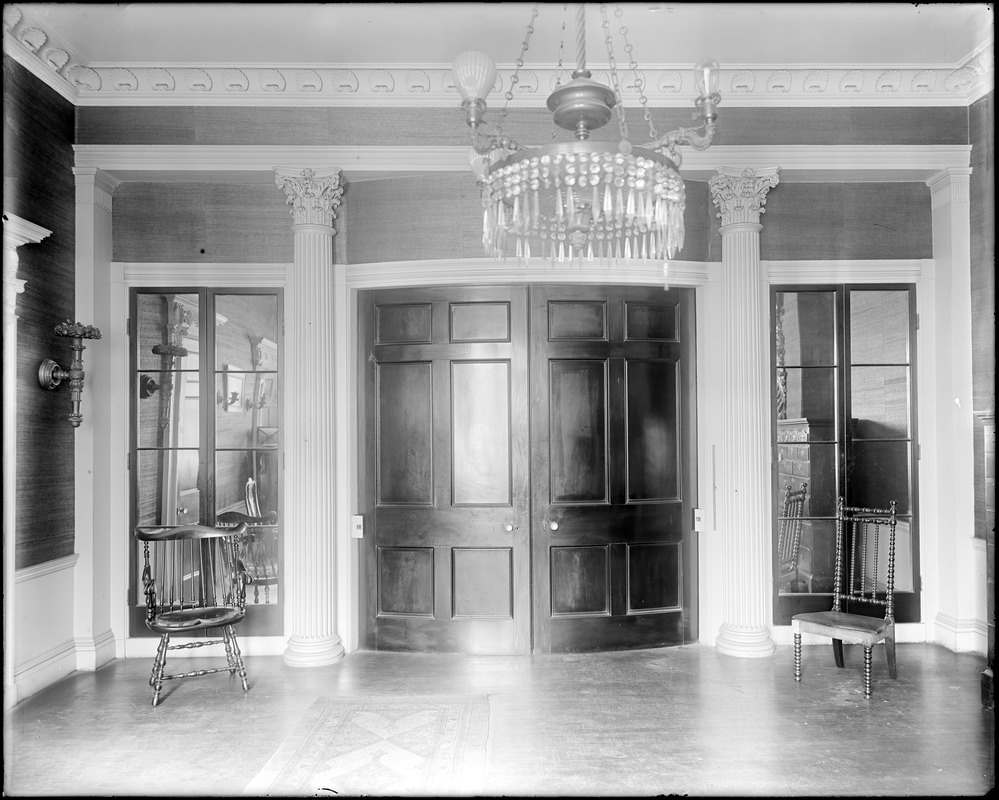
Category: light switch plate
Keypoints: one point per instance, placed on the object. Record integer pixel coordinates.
(699, 520)
(357, 526)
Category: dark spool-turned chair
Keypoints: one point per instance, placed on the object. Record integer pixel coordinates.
(789, 536)
(864, 577)
(195, 583)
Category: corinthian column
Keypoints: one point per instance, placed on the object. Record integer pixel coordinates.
(744, 491)
(310, 474)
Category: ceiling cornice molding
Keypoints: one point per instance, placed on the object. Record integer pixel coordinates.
(431, 85)
(256, 163)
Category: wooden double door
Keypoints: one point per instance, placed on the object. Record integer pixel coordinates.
(527, 467)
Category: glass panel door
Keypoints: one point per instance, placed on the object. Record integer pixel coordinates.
(844, 418)
(206, 389)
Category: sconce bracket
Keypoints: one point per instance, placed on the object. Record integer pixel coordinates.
(50, 374)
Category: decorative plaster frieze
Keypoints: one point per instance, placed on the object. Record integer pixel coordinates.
(431, 85)
(313, 195)
(740, 196)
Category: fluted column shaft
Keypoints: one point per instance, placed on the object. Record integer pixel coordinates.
(310, 436)
(745, 464)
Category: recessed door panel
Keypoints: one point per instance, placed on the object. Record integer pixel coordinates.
(480, 432)
(578, 444)
(405, 432)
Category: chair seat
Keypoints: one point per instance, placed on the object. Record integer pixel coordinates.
(855, 628)
(193, 618)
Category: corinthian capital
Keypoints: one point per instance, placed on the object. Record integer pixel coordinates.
(740, 196)
(312, 194)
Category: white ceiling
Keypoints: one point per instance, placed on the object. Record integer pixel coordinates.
(357, 34)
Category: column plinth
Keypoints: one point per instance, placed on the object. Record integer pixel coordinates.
(310, 439)
(745, 466)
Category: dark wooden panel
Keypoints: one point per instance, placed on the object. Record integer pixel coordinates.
(482, 582)
(39, 187)
(653, 437)
(201, 222)
(844, 221)
(567, 320)
(406, 581)
(403, 324)
(405, 433)
(647, 321)
(580, 580)
(653, 576)
(578, 431)
(480, 322)
(480, 433)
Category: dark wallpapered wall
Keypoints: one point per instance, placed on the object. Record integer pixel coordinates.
(39, 187)
(426, 217)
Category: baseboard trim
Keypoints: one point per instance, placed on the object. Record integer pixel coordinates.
(967, 635)
(43, 670)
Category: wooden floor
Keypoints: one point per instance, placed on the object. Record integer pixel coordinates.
(683, 720)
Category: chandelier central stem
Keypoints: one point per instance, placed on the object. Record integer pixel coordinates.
(580, 38)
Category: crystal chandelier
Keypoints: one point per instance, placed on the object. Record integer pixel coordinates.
(610, 202)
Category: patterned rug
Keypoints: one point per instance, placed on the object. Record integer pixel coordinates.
(382, 746)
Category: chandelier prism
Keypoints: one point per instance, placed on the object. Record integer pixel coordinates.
(610, 202)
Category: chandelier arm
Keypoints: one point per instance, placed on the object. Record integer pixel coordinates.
(698, 138)
(485, 143)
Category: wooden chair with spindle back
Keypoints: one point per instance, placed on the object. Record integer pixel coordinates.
(195, 583)
(864, 577)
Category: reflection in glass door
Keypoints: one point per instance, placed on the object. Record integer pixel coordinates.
(844, 424)
(205, 420)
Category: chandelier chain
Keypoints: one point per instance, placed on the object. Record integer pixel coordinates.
(519, 63)
(639, 78)
(619, 105)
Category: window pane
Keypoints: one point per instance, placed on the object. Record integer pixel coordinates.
(809, 568)
(812, 464)
(805, 329)
(168, 409)
(879, 401)
(167, 492)
(810, 395)
(167, 331)
(877, 473)
(879, 327)
(246, 328)
(242, 472)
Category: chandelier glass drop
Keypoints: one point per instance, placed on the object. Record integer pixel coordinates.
(610, 202)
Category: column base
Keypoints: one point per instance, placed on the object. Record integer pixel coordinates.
(313, 652)
(745, 642)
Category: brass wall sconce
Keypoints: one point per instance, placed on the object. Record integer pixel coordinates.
(50, 374)
(148, 387)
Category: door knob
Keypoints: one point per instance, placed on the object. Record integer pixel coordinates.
(509, 527)
(553, 525)
(182, 510)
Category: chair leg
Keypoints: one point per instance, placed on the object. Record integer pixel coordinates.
(868, 655)
(797, 656)
(234, 656)
(890, 652)
(159, 666)
(838, 652)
